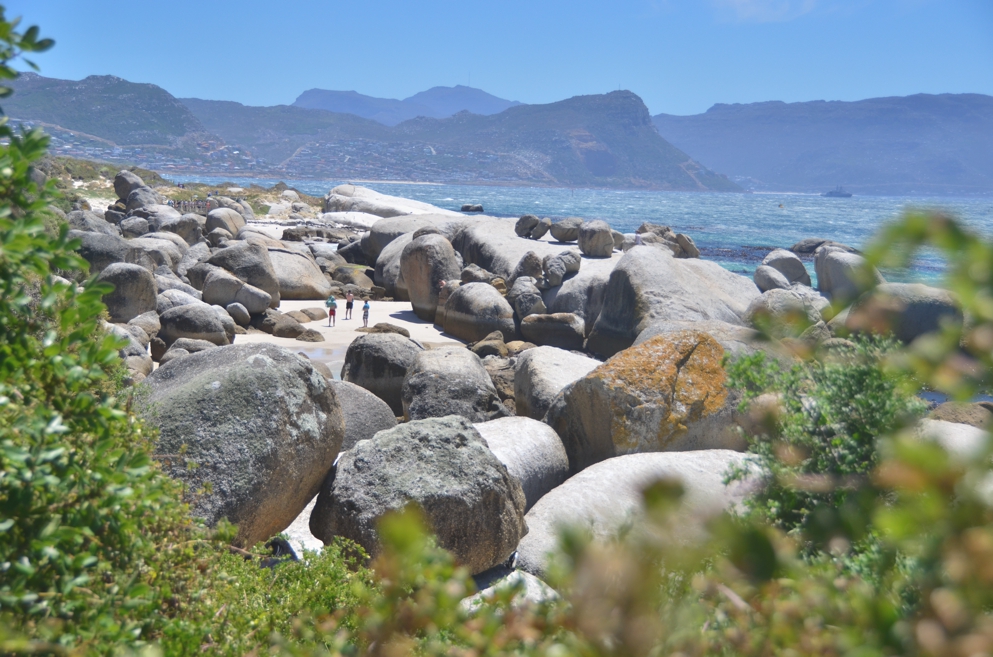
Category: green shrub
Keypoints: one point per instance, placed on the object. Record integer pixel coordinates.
(866, 542)
(816, 426)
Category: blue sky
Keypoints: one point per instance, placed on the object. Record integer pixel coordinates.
(680, 56)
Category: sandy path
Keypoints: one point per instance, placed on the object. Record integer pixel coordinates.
(337, 338)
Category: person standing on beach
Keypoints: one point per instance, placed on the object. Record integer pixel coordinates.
(365, 314)
(332, 307)
(349, 302)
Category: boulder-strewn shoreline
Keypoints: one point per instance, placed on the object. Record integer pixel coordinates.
(541, 371)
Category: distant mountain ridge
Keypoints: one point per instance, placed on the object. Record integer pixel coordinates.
(599, 141)
(437, 102)
(920, 144)
(126, 113)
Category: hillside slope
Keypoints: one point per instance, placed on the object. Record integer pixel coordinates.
(602, 140)
(126, 113)
(922, 144)
(598, 141)
(276, 133)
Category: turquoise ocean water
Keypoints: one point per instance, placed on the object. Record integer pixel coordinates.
(736, 230)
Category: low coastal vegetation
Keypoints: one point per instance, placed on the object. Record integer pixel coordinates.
(859, 537)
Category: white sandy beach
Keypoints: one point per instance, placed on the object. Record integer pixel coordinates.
(337, 338)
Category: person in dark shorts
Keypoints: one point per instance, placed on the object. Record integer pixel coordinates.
(349, 302)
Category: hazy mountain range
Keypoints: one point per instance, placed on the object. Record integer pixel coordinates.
(922, 144)
(587, 141)
(436, 103)
(919, 144)
(596, 141)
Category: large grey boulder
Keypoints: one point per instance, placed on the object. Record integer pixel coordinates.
(251, 264)
(92, 222)
(327, 251)
(557, 267)
(298, 276)
(843, 276)
(261, 426)
(541, 229)
(964, 443)
(134, 291)
(147, 322)
(220, 237)
(137, 339)
(527, 591)
(239, 313)
(226, 219)
(528, 266)
(472, 504)
(526, 224)
(379, 362)
(187, 226)
(156, 214)
(786, 312)
(101, 250)
(169, 281)
(170, 299)
(908, 310)
(766, 278)
(566, 230)
(563, 330)
(387, 269)
(365, 414)
(230, 327)
(525, 297)
(789, 265)
(388, 229)
(131, 227)
(197, 321)
(126, 182)
(541, 375)
(197, 253)
(491, 244)
(254, 235)
(161, 251)
(583, 293)
(976, 414)
(809, 245)
(475, 310)
(736, 340)
(606, 499)
(223, 288)
(596, 239)
(450, 381)
(650, 284)
(140, 197)
(532, 452)
(667, 394)
(353, 198)
(425, 264)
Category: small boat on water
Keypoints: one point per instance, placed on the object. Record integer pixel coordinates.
(837, 192)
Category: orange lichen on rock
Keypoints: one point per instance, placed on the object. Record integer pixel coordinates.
(677, 378)
(666, 394)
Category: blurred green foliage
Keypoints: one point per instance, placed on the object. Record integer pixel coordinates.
(815, 429)
(865, 539)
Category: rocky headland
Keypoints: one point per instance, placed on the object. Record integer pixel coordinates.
(532, 374)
